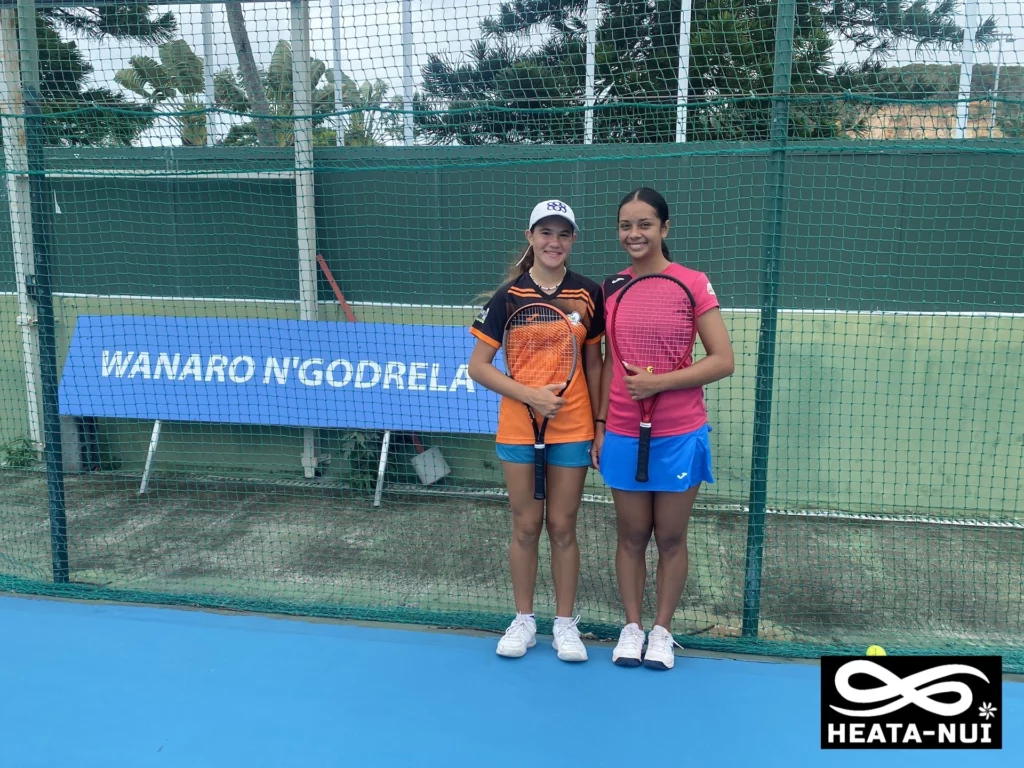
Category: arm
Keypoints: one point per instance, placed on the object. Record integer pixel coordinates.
(606, 388)
(593, 369)
(481, 369)
(601, 411)
(718, 364)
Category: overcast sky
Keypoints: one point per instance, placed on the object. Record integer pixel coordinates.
(371, 36)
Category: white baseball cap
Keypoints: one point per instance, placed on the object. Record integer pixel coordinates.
(553, 208)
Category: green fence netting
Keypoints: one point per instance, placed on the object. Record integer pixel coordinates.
(851, 183)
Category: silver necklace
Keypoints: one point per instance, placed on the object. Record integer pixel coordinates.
(549, 289)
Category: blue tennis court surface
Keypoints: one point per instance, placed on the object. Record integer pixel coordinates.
(103, 685)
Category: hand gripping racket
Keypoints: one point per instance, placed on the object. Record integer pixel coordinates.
(653, 326)
(540, 348)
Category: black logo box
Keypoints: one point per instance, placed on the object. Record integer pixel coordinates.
(924, 693)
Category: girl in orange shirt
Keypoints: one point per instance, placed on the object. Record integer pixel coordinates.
(542, 276)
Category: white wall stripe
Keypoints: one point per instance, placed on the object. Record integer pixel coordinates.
(468, 307)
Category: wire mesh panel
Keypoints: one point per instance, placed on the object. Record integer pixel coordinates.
(262, 169)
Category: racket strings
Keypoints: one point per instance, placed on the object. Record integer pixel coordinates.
(654, 326)
(540, 347)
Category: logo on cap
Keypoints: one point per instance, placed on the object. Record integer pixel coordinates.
(546, 208)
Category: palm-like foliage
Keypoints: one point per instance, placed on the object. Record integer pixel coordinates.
(366, 126)
(173, 85)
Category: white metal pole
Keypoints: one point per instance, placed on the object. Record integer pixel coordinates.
(995, 91)
(16, 162)
(302, 112)
(154, 441)
(382, 467)
(211, 101)
(995, 85)
(682, 94)
(588, 118)
(407, 71)
(966, 67)
(303, 127)
(340, 121)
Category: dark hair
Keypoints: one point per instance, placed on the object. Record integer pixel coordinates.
(656, 201)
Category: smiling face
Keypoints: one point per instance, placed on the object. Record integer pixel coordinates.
(552, 240)
(641, 231)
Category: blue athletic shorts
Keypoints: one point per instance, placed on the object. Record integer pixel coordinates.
(677, 463)
(560, 454)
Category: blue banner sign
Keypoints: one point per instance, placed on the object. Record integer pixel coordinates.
(410, 378)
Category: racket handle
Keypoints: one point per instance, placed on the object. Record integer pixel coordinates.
(539, 470)
(643, 453)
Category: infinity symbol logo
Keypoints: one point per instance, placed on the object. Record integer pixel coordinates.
(910, 690)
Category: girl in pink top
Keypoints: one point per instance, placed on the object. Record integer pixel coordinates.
(680, 455)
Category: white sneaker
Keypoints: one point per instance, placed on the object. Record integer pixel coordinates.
(660, 653)
(628, 651)
(567, 641)
(520, 636)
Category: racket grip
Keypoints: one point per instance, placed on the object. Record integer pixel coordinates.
(643, 453)
(539, 470)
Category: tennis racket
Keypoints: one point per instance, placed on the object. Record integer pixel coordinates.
(540, 349)
(653, 326)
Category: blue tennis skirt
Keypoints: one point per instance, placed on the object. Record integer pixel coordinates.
(559, 454)
(677, 463)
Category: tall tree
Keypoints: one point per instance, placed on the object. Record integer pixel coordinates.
(78, 114)
(510, 91)
(249, 72)
(128, 21)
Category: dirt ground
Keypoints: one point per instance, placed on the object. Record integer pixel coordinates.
(827, 581)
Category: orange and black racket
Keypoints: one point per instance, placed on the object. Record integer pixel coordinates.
(540, 348)
(653, 326)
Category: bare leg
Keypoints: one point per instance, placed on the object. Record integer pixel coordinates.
(527, 522)
(671, 519)
(565, 488)
(635, 514)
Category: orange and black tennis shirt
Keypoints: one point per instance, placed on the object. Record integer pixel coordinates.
(580, 299)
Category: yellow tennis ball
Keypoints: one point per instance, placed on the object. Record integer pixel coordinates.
(876, 650)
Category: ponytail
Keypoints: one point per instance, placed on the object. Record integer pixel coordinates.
(521, 267)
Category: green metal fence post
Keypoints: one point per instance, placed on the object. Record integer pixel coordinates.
(774, 212)
(41, 205)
